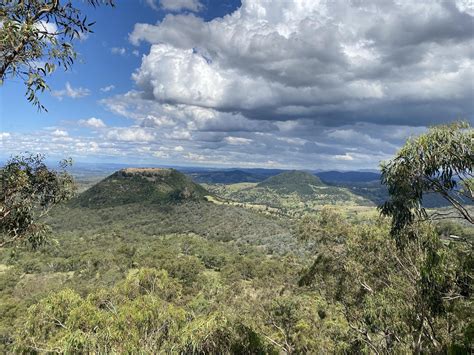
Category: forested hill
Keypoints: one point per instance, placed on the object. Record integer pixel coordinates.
(227, 176)
(291, 192)
(348, 176)
(299, 182)
(233, 176)
(141, 185)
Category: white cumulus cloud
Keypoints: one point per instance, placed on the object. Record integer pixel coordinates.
(346, 156)
(59, 133)
(332, 61)
(179, 135)
(130, 134)
(73, 93)
(237, 140)
(118, 50)
(93, 122)
(107, 88)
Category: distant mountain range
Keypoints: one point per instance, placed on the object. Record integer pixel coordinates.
(365, 185)
(290, 190)
(223, 175)
(227, 177)
(233, 176)
(272, 187)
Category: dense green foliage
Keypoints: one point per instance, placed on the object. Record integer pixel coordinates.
(230, 176)
(401, 301)
(115, 282)
(28, 190)
(36, 36)
(217, 294)
(299, 182)
(141, 185)
(227, 176)
(348, 176)
(221, 223)
(440, 161)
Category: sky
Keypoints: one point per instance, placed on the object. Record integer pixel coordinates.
(312, 84)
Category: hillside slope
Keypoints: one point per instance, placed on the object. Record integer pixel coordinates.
(227, 177)
(293, 192)
(299, 182)
(141, 185)
(349, 177)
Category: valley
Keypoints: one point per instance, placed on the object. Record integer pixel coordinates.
(296, 198)
(226, 255)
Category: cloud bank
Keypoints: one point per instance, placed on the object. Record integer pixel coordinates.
(333, 62)
(314, 84)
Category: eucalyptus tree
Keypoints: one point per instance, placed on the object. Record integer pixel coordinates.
(28, 190)
(36, 36)
(439, 162)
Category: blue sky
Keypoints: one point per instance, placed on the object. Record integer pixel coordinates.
(293, 84)
(97, 66)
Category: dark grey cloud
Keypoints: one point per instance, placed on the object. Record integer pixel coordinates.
(440, 23)
(386, 62)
